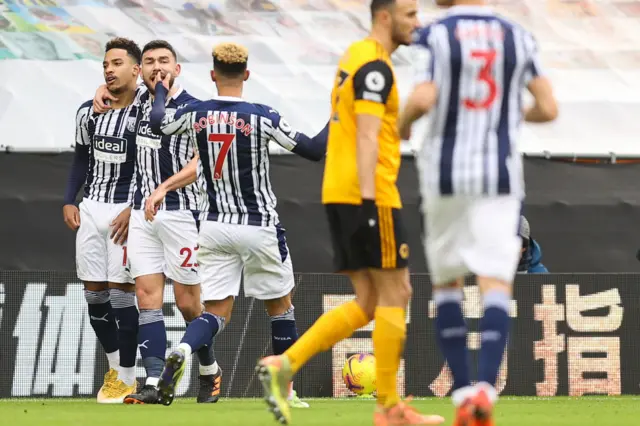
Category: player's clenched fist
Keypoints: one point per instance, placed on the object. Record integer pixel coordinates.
(71, 216)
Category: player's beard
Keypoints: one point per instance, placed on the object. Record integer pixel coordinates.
(397, 37)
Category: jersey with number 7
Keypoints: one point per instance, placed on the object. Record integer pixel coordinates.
(232, 138)
(480, 63)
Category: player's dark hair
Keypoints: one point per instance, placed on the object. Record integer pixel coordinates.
(230, 59)
(130, 46)
(377, 5)
(160, 44)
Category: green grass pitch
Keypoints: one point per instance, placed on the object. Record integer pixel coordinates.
(601, 411)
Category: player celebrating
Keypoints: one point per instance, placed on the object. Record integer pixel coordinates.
(363, 209)
(167, 246)
(104, 162)
(471, 67)
(240, 236)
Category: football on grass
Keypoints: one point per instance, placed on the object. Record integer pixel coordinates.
(359, 374)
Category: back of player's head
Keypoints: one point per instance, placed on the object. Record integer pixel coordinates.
(130, 46)
(159, 44)
(377, 5)
(230, 60)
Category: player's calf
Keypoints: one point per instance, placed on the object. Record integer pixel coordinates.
(390, 331)
(102, 320)
(494, 328)
(152, 334)
(451, 331)
(199, 333)
(283, 335)
(188, 302)
(123, 302)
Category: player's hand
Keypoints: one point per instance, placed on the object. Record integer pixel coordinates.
(71, 216)
(368, 224)
(102, 99)
(153, 203)
(120, 227)
(166, 79)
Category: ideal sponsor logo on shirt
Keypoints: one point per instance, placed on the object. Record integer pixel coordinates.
(110, 149)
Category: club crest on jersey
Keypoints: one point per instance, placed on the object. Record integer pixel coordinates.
(131, 124)
(145, 136)
(109, 149)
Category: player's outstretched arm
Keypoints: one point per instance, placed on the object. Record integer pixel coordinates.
(79, 167)
(545, 108)
(420, 102)
(311, 148)
(425, 89)
(183, 178)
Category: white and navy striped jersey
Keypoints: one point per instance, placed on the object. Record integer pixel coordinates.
(160, 157)
(111, 140)
(480, 63)
(232, 138)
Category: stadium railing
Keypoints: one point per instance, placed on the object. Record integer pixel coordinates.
(572, 334)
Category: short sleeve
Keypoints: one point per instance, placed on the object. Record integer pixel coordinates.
(82, 119)
(533, 68)
(422, 57)
(283, 134)
(372, 85)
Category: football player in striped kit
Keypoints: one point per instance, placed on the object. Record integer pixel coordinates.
(240, 234)
(104, 163)
(471, 67)
(167, 246)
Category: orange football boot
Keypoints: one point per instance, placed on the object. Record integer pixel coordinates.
(402, 414)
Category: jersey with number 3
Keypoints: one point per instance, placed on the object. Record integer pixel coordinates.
(481, 64)
(232, 138)
(365, 84)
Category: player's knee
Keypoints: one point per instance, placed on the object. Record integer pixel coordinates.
(368, 304)
(149, 297)
(489, 284)
(278, 306)
(190, 307)
(393, 287)
(451, 285)
(220, 308)
(95, 286)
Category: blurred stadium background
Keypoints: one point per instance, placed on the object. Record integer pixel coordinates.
(582, 174)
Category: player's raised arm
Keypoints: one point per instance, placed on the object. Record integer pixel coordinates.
(161, 123)
(425, 91)
(311, 148)
(545, 107)
(372, 85)
(79, 167)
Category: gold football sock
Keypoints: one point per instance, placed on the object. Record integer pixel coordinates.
(329, 329)
(389, 336)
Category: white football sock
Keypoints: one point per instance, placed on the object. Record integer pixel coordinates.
(458, 396)
(152, 381)
(209, 370)
(114, 360)
(127, 375)
(186, 349)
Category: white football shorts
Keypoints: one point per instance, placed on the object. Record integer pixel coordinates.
(466, 235)
(168, 245)
(228, 253)
(98, 258)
